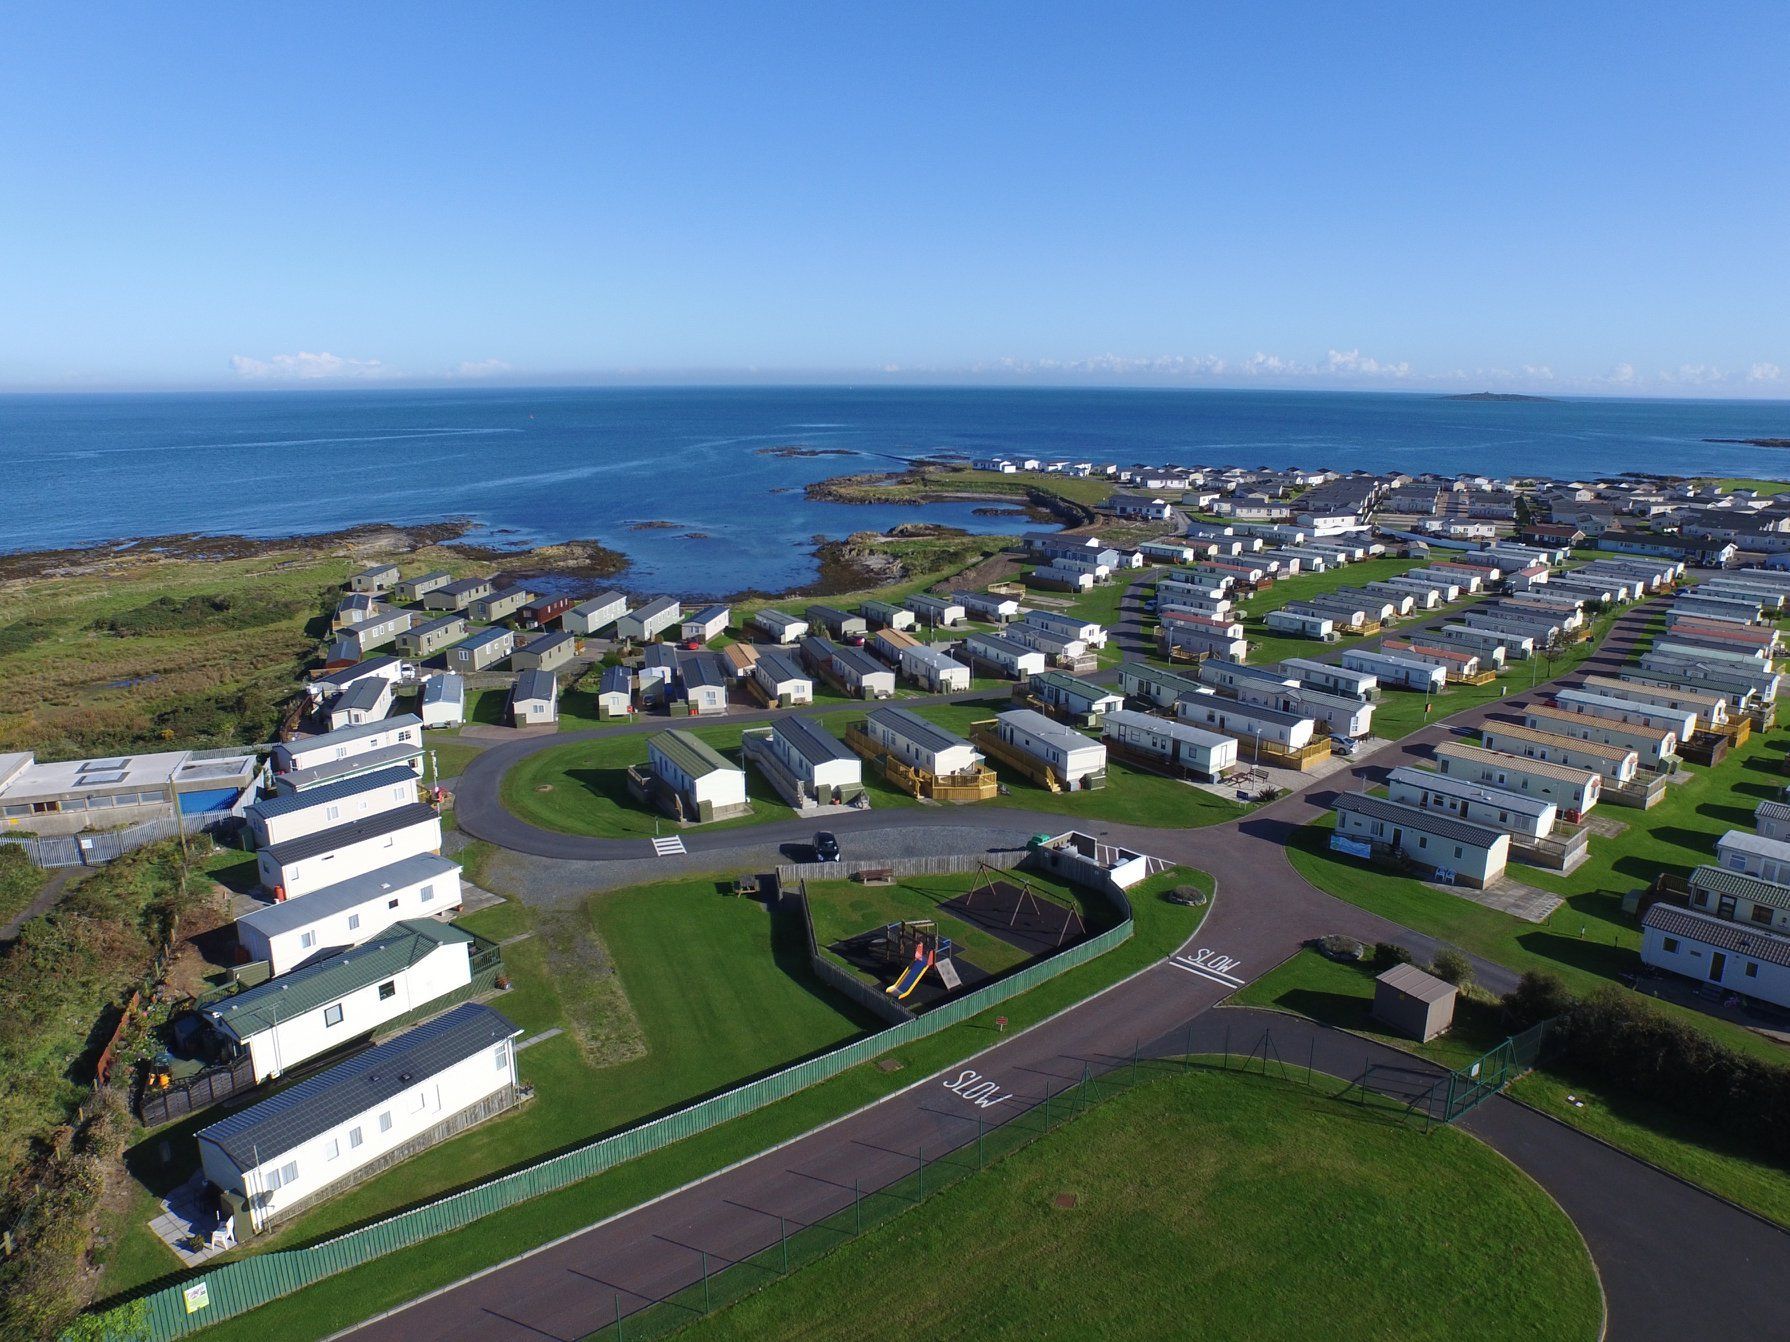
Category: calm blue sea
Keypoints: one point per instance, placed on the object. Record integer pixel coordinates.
(532, 466)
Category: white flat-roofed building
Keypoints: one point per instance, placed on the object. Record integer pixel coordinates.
(68, 796)
(1473, 855)
(595, 615)
(781, 628)
(650, 620)
(1397, 669)
(337, 998)
(1356, 684)
(290, 934)
(312, 1140)
(1574, 790)
(920, 744)
(1480, 803)
(1164, 741)
(293, 815)
(482, 650)
(1076, 761)
(307, 752)
(444, 700)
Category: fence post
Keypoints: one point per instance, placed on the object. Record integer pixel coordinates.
(618, 1317)
(705, 1281)
(857, 1208)
(1227, 1045)
(1311, 1054)
(979, 1129)
(783, 1243)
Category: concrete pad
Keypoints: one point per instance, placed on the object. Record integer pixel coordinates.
(1508, 896)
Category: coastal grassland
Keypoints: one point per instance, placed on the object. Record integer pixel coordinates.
(1273, 1210)
(1342, 995)
(1757, 486)
(349, 1297)
(1588, 941)
(20, 882)
(924, 484)
(844, 909)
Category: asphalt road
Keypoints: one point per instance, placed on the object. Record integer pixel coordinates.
(1675, 1262)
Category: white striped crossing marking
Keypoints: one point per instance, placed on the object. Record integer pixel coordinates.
(1209, 964)
(670, 847)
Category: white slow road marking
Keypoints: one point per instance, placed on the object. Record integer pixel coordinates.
(1209, 964)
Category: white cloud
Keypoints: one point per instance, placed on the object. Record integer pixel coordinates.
(1353, 363)
(1764, 372)
(476, 368)
(1623, 375)
(307, 367)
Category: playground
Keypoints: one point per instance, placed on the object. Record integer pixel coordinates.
(926, 939)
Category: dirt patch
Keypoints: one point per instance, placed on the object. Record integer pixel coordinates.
(1065, 1201)
(598, 1013)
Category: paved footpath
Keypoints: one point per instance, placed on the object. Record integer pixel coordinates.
(1675, 1262)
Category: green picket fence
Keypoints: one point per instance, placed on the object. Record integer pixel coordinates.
(187, 1306)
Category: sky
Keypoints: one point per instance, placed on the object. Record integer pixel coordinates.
(1578, 199)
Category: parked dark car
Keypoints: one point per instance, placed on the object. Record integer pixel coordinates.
(826, 847)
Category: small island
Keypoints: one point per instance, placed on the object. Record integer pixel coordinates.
(1500, 396)
(1752, 442)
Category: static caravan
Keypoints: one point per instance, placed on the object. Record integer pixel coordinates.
(1339, 714)
(1349, 681)
(1076, 761)
(708, 785)
(1166, 552)
(1574, 790)
(1754, 855)
(1724, 951)
(298, 1016)
(1513, 633)
(1397, 669)
(615, 693)
(595, 615)
(1156, 686)
(396, 740)
(838, 623)
(1200, 641)
(307, 752)
(1498, 643)
(657, 675)
(650, 620)
(412, 590)
(829, 774)
(1004, 655)
(1754, 660)
(1616, 763)
(1499, 808)
(1771, 819)
(444, 700)
(315, 1139)
(1473, 855)
(540, 614)
(921, 744)
(1680, 722)
(1733, 610)
(355, 607)
(887, 615)
(782, 681)
(547, 652)
(1453, 661)
(1735, 635)
(1072, 699)
(1165, 742)
(386, 668)
(293, 815)
(1087, 631)
(1466, 581)
(1547, 613)
(739, 658)
(934, 670)
(367, 700)
(1254, 724)
(375, 579)
(1404, 602)
(1734, 682)
(1053, 578)
(1657, 746)
(1443, 589)
(1301, 625)
(862, 675)
(935, 612)
(499, 605)
(1735, 589)
(298, 866)
(483, 650)
(707, 623)
(1055, 646)
(1711, 709)
(889, 644)
(782, 629)
(989, 606)
(1378, 607)
(353, 642)
(534, 699)
(457, 595)
(1347, 614)
(704, 679)
(1229, 676)
(425, 640)
(290, 934)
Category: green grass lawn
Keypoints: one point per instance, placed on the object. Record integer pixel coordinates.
(843, 909)
(348, 1297)
(20, 882)
(1342, 995)
(1691, 1150)
(451, 755)
(1208, 1203)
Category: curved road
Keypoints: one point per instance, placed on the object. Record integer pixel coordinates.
(1675, 1262)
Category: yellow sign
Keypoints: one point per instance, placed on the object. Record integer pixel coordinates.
(197, 1297)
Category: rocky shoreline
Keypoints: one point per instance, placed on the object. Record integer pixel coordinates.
(919, 489)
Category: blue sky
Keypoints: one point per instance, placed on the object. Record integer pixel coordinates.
(1578, 198)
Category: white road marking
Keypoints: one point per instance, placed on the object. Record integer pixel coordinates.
(670, 847)
(1209, 964)
(977, 1089)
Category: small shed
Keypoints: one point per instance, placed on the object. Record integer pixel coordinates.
(1413, 1002)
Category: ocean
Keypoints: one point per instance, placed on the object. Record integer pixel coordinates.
(690, 485)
